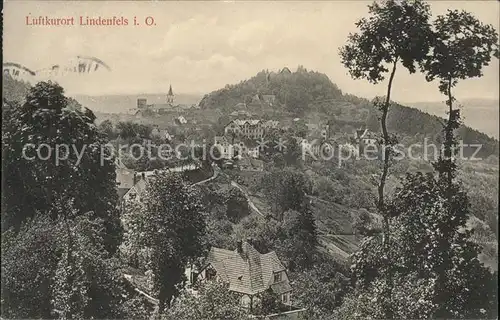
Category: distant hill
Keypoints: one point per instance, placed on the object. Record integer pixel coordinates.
(293, 91)
(480, 114)
(14, 90)
(122, 103)
(313, 94)
(416, 123)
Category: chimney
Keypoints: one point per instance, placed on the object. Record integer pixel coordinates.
(239, 246)
(143, 176)
(135, 178)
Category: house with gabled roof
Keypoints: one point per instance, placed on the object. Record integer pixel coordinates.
(137, 191)
(255, 100)
(124, 178)
(251, 128)
(224, 146)
(124, 181)
(246, 147)
(247, 272)
(365, 136)
(316, 146)
(247, 128)
(286, 71)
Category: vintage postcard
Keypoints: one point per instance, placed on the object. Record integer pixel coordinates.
(230, 160)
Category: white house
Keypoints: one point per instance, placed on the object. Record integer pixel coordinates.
(246, 128)
(225, 148)
(181, 120)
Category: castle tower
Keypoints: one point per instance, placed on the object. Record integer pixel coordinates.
(170, 96)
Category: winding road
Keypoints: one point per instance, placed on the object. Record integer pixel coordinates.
(218, 171)
(250, 202)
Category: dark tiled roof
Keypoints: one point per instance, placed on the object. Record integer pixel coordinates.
(248, 272)
(250, 143)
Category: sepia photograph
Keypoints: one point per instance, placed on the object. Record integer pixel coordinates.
(239, 160)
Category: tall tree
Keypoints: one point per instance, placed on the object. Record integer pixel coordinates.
(74, 276)
(171, 223)
(437, 273)
(293, 153)
(53, 150)
(396, 32)
(320, 289)
(87, 284)
(462, 46)
(286, 190)
(298, 239)
(26, 291)
(106, 127)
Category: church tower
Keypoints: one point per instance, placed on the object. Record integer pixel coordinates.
(170, 96)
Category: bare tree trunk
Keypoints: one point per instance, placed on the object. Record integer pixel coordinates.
(447, 171)
(386, 156)
(449, 139)
(387, 151)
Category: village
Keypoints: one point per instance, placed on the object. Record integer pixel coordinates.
(251, 161)
(240, 145)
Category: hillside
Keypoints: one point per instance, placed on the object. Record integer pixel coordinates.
(313, 96)
(341, 194)
(416, 123)
(293, 90)
(480, 114)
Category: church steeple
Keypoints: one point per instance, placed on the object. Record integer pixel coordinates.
(170, 95)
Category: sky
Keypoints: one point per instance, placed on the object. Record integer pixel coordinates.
(199, 46)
